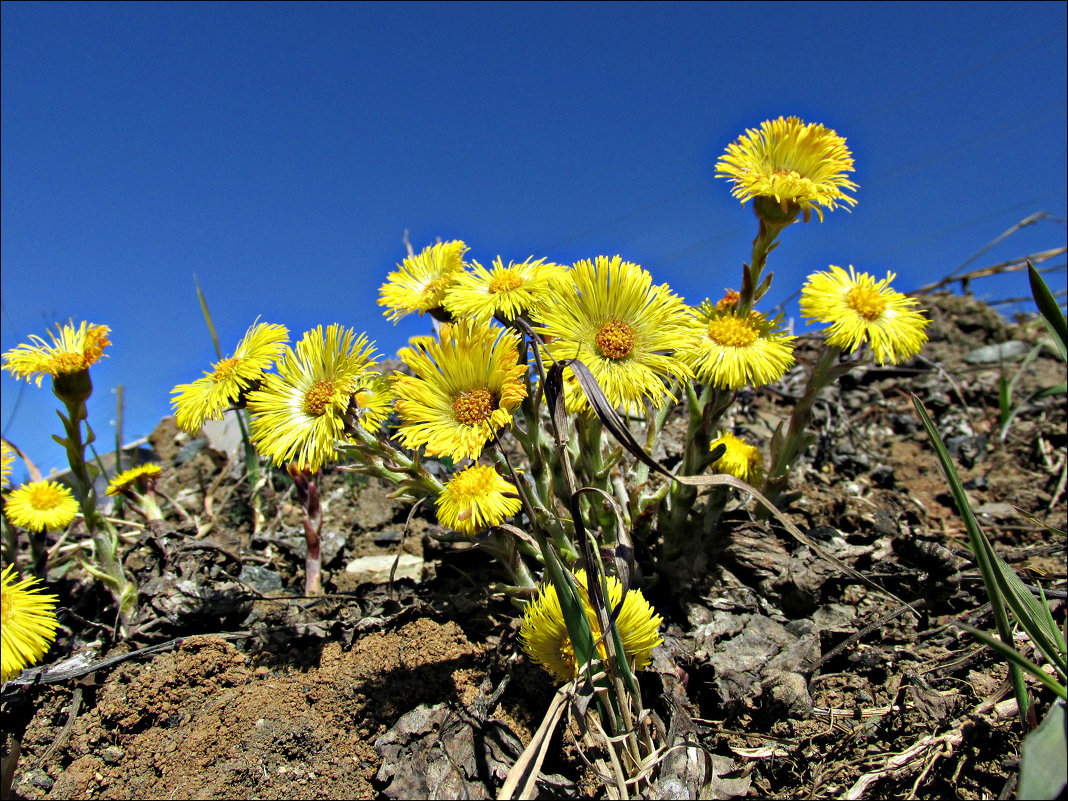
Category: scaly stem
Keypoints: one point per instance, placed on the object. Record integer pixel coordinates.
(105, 538)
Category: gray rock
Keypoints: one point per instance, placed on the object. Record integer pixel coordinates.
(261, 578)
(1010, 351)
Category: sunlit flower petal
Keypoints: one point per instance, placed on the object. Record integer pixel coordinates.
(27, 623)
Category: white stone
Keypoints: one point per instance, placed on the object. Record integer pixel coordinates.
(375, 569)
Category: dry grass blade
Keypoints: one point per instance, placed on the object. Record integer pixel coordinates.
(524, 773)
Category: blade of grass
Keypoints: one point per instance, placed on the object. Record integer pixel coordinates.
(1016, 658)
(980, 547)
(1051, 312)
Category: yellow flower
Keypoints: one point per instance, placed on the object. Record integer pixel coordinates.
(506, 292)
(740, 460)
(465, 388)
(27, 623)
(860, 308)
(621, 327)
(374, 400)
(793, 163)
(298, 414)
(135, 478)
(420, 283)
(41, 505)
(475, 498)
(73, 351)
(544, 636)
(208, 397)
(728, 349)
(7, 459)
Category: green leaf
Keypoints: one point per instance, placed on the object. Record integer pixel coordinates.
(207, 317)
(1044, 761)
(1015, 658)
(1049, 392)
(1051, 311)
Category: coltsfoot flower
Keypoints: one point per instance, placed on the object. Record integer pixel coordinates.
(475, 498)
(624, 329)
(794, 163)
(73, 351)
(860, 309)
(419, 284)
(27, 623)
(67, 359)
(299, 413)
(136, 478)
(7, 460)
(465, 388)
(740, 460)
(544, 636)
(728, 349)
(505, 292)
(208, 397)
(41, 505)
(374, 400)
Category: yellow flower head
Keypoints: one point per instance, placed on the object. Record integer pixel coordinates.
(374, 400)
(740, 460)
(506, 292)
(75, 350)
(208, 397)
(475, 498)
(420, 283)
(728, 349)
(298, 414)
(621, 327)
(860, 309)
(7, 459)
(135, 479)
(41, 505)
(27, 623)
(544, 636)
(465, 388)
(793, 163)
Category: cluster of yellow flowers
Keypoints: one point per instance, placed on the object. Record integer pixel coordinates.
(641, 342)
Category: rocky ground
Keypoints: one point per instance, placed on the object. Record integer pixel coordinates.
(797, 679)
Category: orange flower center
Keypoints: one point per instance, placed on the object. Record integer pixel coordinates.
(474, 407)
(66, 362)
(318, 399)
(732, 332)
(866, 302)
(615, 340)
(505, 281)
(435, 289)
(44, 498)
(224, 369)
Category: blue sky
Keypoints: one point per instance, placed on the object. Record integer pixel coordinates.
(279, 152)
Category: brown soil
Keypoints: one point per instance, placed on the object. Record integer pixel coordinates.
(800, 680)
